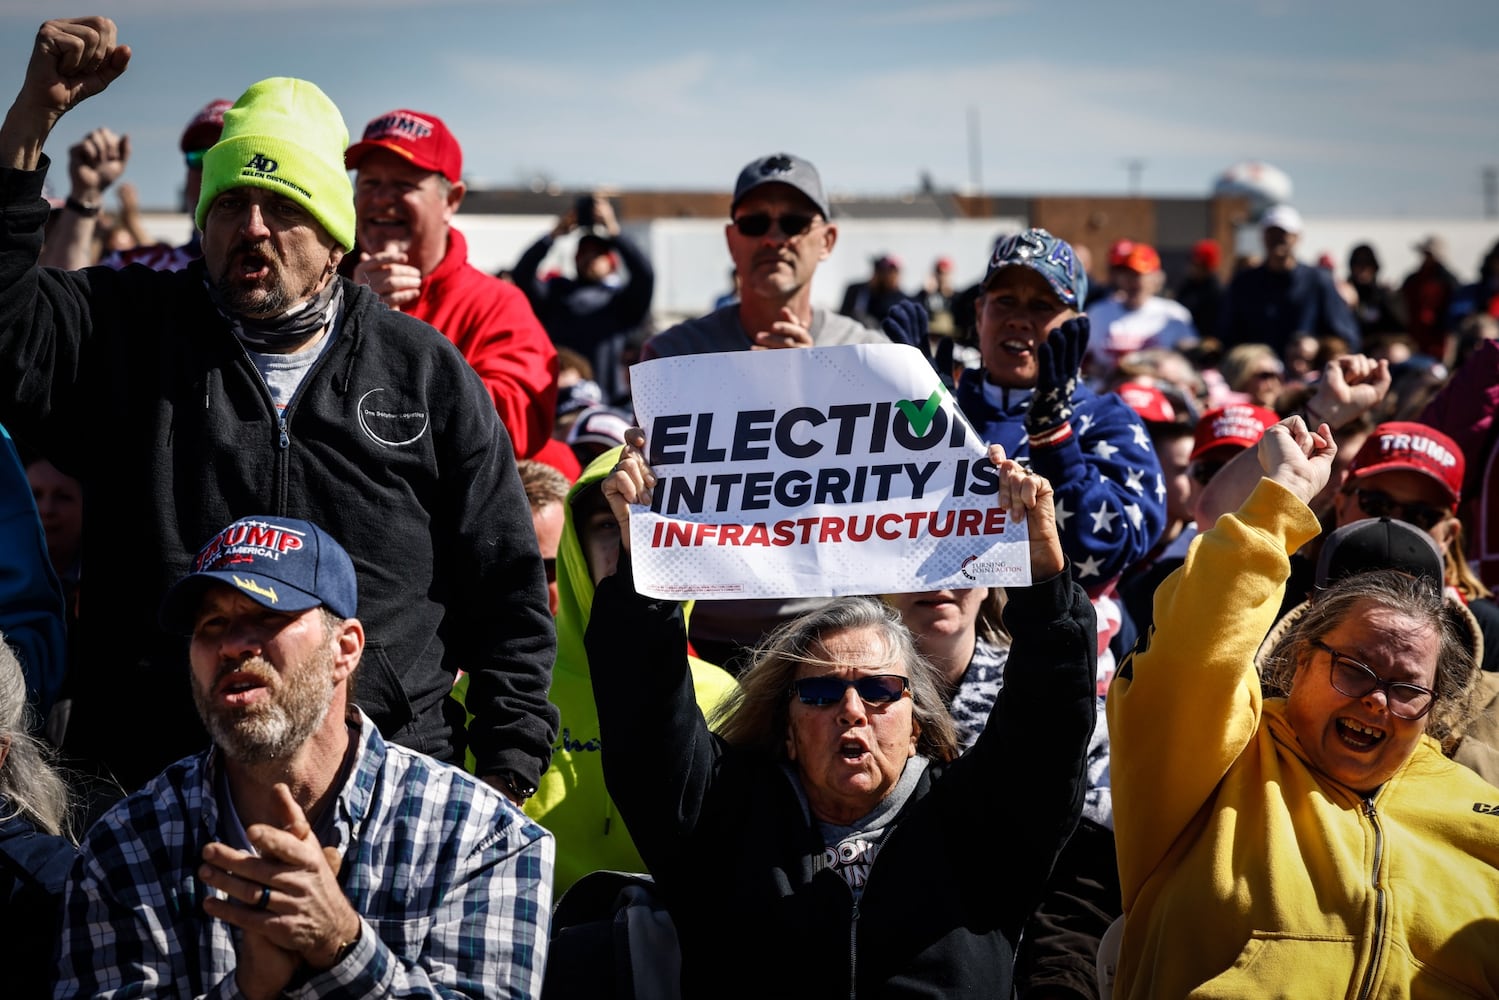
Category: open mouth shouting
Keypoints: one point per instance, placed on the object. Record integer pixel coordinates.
(853, 750)
(251, 264)
(1358, 736)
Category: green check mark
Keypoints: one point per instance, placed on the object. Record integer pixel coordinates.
(920, 417)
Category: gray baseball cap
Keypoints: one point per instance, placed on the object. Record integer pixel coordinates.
(782, 168)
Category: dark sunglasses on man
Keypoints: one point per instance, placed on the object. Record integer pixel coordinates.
(194, 158)
(1377, 503)
(756, 224)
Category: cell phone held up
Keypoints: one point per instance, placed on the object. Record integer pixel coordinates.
(583, 211)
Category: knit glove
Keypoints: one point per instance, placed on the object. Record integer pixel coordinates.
(1059, 360)
(905, 323)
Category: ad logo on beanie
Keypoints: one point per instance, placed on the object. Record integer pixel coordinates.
(263, 168)
(284, 127)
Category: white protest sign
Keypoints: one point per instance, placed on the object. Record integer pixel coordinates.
(814, 473)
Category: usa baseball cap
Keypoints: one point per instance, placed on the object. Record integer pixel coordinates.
(781, 168)
(281, 563)
(412, 135)
(1404, 444)
(1049, 257)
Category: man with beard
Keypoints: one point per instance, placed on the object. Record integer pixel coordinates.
(258, 380)
(302, 853)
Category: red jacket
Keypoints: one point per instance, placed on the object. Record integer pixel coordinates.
(492, 325)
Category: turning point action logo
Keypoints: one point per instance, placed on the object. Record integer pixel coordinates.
(972, 563)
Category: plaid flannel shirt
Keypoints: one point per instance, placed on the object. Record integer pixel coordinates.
(453, 883)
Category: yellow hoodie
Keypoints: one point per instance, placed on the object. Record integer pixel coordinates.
(1245, 873)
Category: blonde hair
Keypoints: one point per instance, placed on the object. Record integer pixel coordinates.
(1458, 573)
(1238, 362)
(29, 783)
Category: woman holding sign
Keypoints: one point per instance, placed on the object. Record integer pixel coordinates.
(831, 828)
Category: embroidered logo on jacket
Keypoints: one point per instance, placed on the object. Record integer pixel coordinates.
(390, 419)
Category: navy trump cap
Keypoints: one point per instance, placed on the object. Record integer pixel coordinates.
(279, 562)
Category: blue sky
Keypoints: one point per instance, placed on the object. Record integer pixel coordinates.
(1374, 108)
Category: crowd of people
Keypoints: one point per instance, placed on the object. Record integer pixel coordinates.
(324, 672)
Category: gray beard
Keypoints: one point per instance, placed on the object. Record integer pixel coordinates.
(276, 729)
(254, 303)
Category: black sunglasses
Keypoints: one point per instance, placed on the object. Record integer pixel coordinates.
(194, 158)
(758, 223)
(1353, 679)
(877, 689)
(1377, 503)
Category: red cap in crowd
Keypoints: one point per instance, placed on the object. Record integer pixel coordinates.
(1207, 253)
(1415, 447)
(206, 127)
(1149, 402)
(412, 135)
(1231, 428)
(1138, 257)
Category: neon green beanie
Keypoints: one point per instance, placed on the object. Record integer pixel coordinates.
(286, 136)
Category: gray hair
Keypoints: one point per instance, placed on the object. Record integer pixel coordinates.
(29, 783)
(1457, 668)
(758, 714)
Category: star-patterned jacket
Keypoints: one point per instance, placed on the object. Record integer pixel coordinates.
(1110, 496)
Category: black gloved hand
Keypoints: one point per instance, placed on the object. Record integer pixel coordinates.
(906, 323)
(1060, 360)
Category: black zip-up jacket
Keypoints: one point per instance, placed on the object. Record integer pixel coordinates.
(134, 383)
(741, 865)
